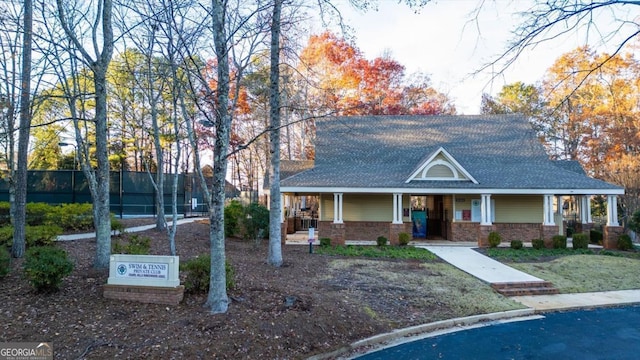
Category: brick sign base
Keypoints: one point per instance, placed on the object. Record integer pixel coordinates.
(145, 294)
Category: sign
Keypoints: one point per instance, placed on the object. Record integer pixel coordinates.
(311, 235)
(144, 270)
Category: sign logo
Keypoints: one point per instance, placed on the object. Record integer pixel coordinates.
(26, 351)
(122, 269)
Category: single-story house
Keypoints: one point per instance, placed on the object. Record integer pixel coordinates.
(447, 177)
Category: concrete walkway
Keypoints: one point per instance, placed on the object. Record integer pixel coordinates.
(478, 265)
(580, 300)
(92, 235)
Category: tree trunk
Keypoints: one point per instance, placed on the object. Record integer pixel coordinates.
(275, 247)
(18, 245)
(217, 300)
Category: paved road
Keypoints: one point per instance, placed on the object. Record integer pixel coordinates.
(606, 333)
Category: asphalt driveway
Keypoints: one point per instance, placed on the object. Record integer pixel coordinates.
(605, 333)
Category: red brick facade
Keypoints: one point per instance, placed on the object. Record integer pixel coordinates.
(361, 230)
(610, 236)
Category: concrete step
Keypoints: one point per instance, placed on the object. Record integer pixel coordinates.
(525, 288)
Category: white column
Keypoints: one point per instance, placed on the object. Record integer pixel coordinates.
(559, 205)
(337, 208)
(485, 209)
(588, 201)
(282, 208)
(612, 210)
(584, 209)
(397, 208)
(548, 210)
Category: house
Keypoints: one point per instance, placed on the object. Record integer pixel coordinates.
(448, 177)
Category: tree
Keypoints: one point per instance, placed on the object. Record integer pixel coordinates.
(19, 242)
(98, 181)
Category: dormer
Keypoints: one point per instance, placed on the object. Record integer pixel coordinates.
(440, 165)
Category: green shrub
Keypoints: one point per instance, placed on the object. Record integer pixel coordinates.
(634, 222)
(135, 245)
(233, 212)
(6, 235)
(595, 236)
(254, 222)
(117, 227)
(325, 242)
(494, 239)
(559, 241)
(516, 244)
(37, 213)
(71, 216)
(403, 238)
(5, 213)
(41, 235)
(537, 244)
(46, 266)
(580, 241)
(381, 241)
(198, 272)
(5, 261)
(570, 231)
(624, 242)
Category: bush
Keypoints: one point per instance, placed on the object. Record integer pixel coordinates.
(136, 245)
(5, 213)
(36, 213)
(537, 244)
(5, 261)
(255, 221)
(634, 222)
(403, 238)
(325, 242)
(494, 239)
(6, 235)
(595, 236)
(559, 242)
(570, 231)
(624, 242)
(71, 216)
(198, 272)
(42, 235)
(580, 241)
(516, 244)
(117, 227)
(381, 241)
(45, 267)
(233, 212)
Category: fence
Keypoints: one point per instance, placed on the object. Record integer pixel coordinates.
(131, 193)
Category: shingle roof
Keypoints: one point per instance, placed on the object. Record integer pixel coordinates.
(499, 151)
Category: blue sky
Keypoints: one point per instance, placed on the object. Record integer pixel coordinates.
(443, 41)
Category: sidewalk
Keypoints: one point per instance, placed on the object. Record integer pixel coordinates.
(129, 230)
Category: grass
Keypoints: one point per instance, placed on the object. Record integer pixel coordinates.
(576, 271)
(389, 252)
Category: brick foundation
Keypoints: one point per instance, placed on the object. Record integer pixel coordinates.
(144, 294)
(610, 236)
(283, 233)
(464, 231)
(583, 228)
(524, 232)
(335, 232)
(395, 230)
(483, 234)
(548, 232)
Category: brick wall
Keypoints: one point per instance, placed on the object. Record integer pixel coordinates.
(524, 232)
(361, 230)
(610, 236)
(144, 294)
(548, 232)
(464, 231)
(336, 232)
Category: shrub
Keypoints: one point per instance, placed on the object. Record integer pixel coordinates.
(624, 242)
(595, 236)
(537, 244)
(6, 235)
(634, 222)
(254, 222)
(36, 213)
(403, 238)
(494, 239)
(117, 227)
(46, 266)
(325, 242)
(570, 231)
(516, 244)
(42, 235)
(381, 241)
(232, 215)
(198, 272)
(580, 241)
(5, 213)
(136, 245)
(71, 216)
(5, 261)
(559, 241)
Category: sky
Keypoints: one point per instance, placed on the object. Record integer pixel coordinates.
(444, 42)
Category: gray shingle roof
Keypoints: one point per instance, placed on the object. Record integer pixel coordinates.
(499, 151)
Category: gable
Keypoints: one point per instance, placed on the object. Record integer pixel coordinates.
(441, 166)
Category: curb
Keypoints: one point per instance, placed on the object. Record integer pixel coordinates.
(386, 338)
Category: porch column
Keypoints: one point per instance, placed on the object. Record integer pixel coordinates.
(337, 208)
(485, 210)
(612, 210)
(548, 210)
(397, 209)
(283, 208)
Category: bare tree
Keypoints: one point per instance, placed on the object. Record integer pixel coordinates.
(98, 62)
